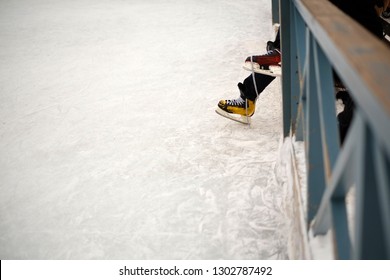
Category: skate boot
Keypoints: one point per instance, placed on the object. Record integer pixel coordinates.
(240, 109)
(272, 57)
(270, 46)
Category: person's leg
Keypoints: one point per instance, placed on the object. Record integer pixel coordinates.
(245, 104)
(345, 117)
(249, 88)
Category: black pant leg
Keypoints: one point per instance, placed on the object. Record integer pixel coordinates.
(248, 87)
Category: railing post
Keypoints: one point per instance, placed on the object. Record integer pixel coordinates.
(300, 41)
(295, 92)
(327, 111)
(315, 162)
(275, 11)
(370, 239)
(290, 82)
(285, 39)
(382, 171)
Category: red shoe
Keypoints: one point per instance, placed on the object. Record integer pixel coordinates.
(272, 57)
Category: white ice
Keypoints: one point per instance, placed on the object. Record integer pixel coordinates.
(109, 144)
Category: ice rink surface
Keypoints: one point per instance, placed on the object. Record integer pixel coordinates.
(109, 144)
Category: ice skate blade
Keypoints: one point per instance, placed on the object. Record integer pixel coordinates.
(233, 117)
(274, 70)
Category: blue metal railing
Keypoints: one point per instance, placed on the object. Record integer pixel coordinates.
(318, 39)
(275, 11)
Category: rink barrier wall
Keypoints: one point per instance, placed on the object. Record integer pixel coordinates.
(317, 38)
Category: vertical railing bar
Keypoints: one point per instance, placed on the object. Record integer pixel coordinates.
(328, 134)
(316, 178)
(285, 29)
(306, 60)
(342, 250)
(275, 11)
(327, 110)
(360, 151)
(306, 96)
(300, 130)
(304, 86)
(300, 27)
(383, 174)
(300, 32)
(369, 232)
(340, 182)
(295, 92)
